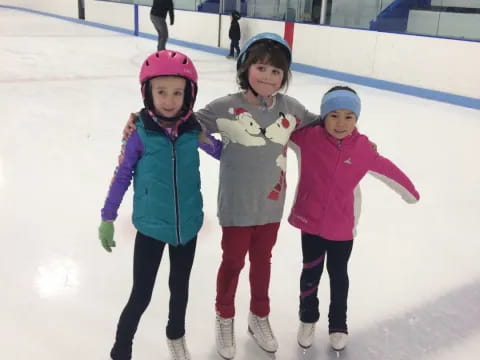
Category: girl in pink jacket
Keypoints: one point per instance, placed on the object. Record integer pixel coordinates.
(334, 157)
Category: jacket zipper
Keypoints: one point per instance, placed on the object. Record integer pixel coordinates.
(339, 148)
(175, 190)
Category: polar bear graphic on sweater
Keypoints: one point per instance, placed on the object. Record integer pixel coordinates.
(279, 132)
(243, 130)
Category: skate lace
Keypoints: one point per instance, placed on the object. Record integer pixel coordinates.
(307, 329)
(226, 331)
(265, 328)
(337, 337)
(338, 340)
(178, 349)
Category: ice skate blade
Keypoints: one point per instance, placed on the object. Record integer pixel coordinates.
(304, 347)
(223, 357)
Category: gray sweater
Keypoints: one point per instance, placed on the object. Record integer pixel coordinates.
(252, 165)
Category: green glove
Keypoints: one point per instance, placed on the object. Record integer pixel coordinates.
(105, 234)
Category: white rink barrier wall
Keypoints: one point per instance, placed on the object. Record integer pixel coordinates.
(437, 68)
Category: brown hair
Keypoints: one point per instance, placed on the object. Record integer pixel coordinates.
(335, 88)
(266, 52)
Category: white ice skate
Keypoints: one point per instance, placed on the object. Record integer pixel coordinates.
(178, 349)
(338, 340)
(262, 333)
(305, 334)
(225, 337)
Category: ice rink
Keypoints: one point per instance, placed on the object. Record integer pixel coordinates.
(65, 94)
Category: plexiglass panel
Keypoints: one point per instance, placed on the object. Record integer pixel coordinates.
(445, 18)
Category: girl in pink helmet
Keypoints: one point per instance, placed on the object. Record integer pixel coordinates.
(161, 156)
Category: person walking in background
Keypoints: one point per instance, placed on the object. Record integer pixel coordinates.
(234, 34)
(158, 15)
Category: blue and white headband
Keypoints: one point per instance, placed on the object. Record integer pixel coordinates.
(340, 99)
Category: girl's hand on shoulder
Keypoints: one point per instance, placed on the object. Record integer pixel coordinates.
(374, 146)
(130, 126)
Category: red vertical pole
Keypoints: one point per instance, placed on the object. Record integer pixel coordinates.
(288, 33)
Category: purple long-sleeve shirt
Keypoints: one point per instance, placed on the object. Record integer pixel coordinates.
(214, 149)
(132, 150)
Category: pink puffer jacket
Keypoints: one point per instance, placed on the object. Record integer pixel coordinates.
(329, 172)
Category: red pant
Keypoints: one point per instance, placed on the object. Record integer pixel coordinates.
(258, 241)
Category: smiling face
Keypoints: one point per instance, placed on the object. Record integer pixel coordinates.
(265, 79)
(340, 123)
(168, 94)
(264, 53)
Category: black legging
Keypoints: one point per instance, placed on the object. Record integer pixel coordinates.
(234, 46)
(314, 249)
(146, 260)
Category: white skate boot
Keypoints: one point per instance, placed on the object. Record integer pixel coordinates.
(178, 349)
(305, 334)
(338, 340)
(225, 337)
(261, 331)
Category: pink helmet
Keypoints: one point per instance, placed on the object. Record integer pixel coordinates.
(170, 63)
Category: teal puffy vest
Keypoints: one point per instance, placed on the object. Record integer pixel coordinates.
(167, 202)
